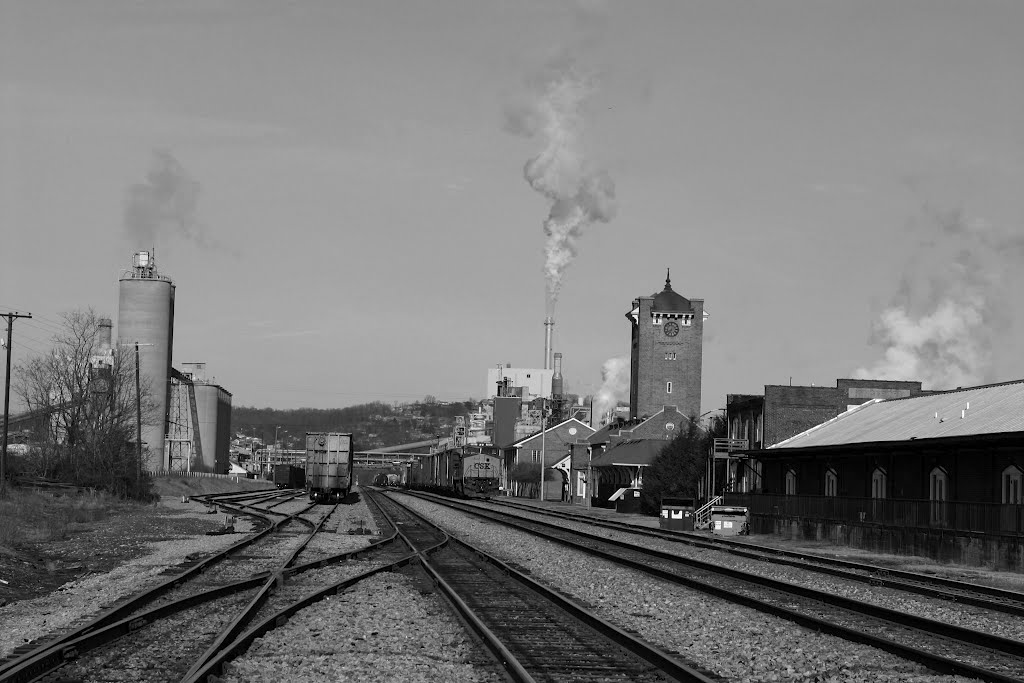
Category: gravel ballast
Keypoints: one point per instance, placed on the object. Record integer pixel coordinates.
(735, 642)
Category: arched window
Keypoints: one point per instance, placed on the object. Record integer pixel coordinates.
(878, 483)
(1011, 485)
(790, 483)
(831, 482)
(938, 493)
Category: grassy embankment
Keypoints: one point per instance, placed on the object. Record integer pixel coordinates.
(32, 515)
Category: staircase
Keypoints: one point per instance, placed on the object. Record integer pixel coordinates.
(702, 517)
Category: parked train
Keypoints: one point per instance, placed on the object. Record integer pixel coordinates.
(387, 480)
(328, 466)
(289, 476)
(480, 474)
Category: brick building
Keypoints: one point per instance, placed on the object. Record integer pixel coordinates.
(666, 353)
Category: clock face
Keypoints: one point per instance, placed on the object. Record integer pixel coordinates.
(671, 328)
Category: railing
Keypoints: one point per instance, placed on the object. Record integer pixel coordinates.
(992, 518)
(702, 516)
(192, 475)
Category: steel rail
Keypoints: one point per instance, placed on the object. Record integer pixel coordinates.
(977, 595)
(932, 628)
(42, 662)
(665, 663)
(131, 604)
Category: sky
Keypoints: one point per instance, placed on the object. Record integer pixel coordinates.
(377, 201)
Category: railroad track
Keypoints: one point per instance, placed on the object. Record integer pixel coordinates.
(176, 625)
(535, 633)
(960, 592)
(942, 647)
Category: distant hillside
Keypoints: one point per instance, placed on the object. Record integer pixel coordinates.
(374, 424)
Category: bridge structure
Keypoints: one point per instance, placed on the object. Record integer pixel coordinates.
(401, 455)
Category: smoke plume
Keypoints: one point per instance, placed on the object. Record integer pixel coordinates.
(954, 303)
(164, 205)
(614, 387)
(579, 194)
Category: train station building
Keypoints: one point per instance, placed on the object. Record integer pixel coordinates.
(938, 474)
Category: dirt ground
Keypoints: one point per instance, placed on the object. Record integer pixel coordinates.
(32, 570)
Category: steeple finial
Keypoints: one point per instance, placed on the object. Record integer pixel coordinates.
(668, 279)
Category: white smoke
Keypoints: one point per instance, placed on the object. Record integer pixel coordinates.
(951, 309)
(580, 194)
(614, 387)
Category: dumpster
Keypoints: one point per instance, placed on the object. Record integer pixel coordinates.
(677, 514)
(729, 520)
(626, 500)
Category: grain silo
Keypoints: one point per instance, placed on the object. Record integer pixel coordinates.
(145, 316)
(213, 413)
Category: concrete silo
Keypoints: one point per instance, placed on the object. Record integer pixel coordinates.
(145, 316)
(213, 413)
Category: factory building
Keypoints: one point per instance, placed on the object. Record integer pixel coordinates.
(145, 317)
(535, 382)
(666, 353)
(213, 411)
(186, 418)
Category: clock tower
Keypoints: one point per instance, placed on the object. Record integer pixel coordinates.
(666, 353)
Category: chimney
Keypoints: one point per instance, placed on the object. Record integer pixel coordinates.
(549, 322)
(556, 378)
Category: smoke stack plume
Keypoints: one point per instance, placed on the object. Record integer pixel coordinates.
(164, 205)
(953, 304)
(615, 385)
(579, 194)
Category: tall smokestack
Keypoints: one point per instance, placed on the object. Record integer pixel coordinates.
(556, 378)
(105, 335)
(549, 322)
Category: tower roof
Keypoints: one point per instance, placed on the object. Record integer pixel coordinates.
(668, 301)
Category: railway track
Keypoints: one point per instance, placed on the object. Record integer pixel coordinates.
(942, 647)
(959, 592)
(536, 634)
(176, 625)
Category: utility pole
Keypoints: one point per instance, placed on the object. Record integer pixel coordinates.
(7, 398)
(138, 418)
(543, 449)
(138, 409)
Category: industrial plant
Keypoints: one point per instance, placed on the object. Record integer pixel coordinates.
(188, 426)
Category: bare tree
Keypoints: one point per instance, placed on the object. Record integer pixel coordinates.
(85, 400)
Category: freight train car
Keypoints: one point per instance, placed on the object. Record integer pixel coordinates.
(480, 474)
(328, 466)
(289, 476)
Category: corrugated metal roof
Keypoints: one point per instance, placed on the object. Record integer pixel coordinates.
(992, 409)
(632, 452)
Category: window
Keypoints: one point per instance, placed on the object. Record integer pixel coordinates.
(1011, 485)
(878, 483)
(938, 490)
(790, 483)
(535, 455)
(581, 484)
(670, 355)
(668, 387)
(831, 482)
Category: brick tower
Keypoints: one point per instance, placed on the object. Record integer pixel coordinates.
(665, 357)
